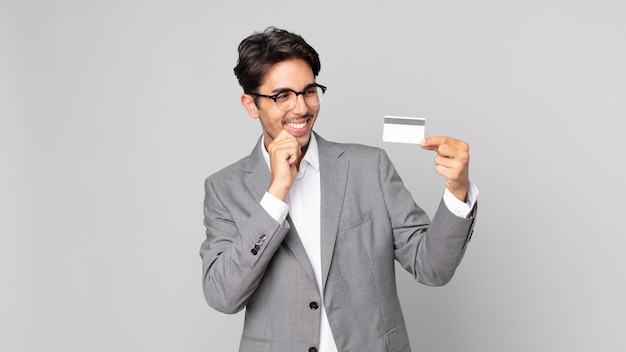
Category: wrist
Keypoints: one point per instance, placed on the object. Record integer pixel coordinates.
(460, 192)
(278, 191)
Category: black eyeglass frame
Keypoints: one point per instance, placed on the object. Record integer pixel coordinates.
(275, 96)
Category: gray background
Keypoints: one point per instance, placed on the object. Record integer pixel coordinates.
(113, 113)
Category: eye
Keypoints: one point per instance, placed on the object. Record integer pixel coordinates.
(283, 96)
(311, 91)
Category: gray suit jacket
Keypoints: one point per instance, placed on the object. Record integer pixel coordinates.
(368, 219)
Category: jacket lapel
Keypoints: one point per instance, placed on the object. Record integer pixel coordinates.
(258, 177)
(333, 179)
(258, 180)
(293, 242)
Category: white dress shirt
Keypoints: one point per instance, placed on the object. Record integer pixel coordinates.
(303, 203)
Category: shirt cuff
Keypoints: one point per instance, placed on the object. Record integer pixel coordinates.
(277, 209)
(457, 207)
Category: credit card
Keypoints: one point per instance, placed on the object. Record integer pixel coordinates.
(400, 129)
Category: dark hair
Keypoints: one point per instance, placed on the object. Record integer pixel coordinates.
(259, 51)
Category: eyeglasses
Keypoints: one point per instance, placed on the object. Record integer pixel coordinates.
(287, 99)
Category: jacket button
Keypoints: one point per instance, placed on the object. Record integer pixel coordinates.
(312, 349)
(254, 251)
(314, 306)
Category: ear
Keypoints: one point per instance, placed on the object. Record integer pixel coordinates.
(247, 101)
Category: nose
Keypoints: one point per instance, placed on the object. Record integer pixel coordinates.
(300, 108)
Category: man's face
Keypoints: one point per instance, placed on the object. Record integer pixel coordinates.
(293, 74)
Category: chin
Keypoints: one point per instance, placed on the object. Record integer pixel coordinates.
(304, 140)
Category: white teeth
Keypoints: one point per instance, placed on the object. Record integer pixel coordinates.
(296, 125)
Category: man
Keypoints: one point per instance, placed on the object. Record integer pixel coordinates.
(303, 232)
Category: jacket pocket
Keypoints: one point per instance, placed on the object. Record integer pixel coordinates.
(249, 344)
(347, 224)
(397, 340)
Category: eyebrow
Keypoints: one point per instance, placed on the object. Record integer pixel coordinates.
(280, 90)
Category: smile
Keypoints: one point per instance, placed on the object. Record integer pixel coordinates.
(296, 125)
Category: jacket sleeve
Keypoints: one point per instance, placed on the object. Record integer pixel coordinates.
(240, 242)
(430, 251)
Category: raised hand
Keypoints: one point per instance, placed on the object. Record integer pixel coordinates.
(452, 162)
(284, 153)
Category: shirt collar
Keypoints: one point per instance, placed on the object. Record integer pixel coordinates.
(311, 157)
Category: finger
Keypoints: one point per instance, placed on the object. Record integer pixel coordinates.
(454, 174)
(284, 135)
(284, 147)
(283, 139)
(293, 155)
(433, 142)
(449, 163)
(452, 152)
(287, 150)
